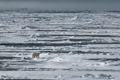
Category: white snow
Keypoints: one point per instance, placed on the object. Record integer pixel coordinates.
(74, 46)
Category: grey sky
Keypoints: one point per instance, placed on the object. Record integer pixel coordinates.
(61, 4)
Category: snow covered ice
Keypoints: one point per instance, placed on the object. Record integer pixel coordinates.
(84, 45)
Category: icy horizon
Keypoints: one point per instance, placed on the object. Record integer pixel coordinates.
(61, 4)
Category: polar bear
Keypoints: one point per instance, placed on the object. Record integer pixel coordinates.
(36, 55)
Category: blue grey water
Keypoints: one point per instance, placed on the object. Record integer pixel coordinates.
(75, 43)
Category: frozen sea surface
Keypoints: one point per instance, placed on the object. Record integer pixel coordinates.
(84, 45)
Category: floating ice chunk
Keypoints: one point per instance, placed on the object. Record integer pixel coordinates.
(35, 59)
(57, 59)
(100, 64)
(5, 65)
(2, 25)
(39, 35)
(74, 18)
(59, 76)
(89, 76)
(104, 76)
(29, 27)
